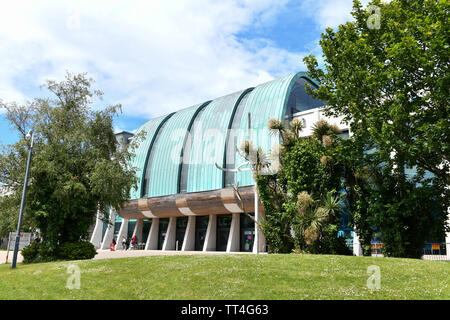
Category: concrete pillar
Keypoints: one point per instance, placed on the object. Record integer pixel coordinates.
(256, 244)
(123, 233)
(169, 241)
(211, 234)
(357, 249)
(189, 236)
(110, 230)
(152, 240)
(262, 239)
(233, 244)
(96, 238)
(138, 230)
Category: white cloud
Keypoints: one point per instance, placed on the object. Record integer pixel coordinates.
(152, 56)
(329, 13)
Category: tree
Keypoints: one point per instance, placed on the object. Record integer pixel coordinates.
(392, 82)
(303, 174)
(387, 74)
(77, 167)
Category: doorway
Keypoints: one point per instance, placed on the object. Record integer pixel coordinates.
(223, 230)
(201, 225)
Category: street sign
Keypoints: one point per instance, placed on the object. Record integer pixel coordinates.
(25, 238)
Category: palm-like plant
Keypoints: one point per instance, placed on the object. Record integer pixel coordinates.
(313, 215)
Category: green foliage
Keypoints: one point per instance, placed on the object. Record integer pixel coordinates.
(329, 242)
(77, 250)
(391, 85)
(38, 252)
(77, 166)
(303, 171)
(41, 252)
(301, 208)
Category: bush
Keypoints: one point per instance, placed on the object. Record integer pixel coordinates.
(330, 243)
(40, 252)
(77, 251)
(37, 252)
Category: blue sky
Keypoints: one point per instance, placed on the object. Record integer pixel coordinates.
(156, 57)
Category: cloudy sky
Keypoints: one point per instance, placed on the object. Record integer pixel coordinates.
(157, 56)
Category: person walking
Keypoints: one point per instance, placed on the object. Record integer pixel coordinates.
(113, 244)
(134, 242)
(124, 243)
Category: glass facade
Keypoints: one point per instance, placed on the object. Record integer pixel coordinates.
(163, 224)
(247, 233)
(299, 100)
(201, 225)
(146, 230)
(223, 231)
(180, 232)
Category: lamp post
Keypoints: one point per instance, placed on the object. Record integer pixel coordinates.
(30, 135)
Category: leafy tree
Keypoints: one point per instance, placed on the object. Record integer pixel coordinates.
(389, 80)
(77, 167)
(303, 174)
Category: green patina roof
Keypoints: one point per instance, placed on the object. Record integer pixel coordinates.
(198, 135)
(142, 152)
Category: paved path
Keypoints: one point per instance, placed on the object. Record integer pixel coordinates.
(10, 256)
(107, 254)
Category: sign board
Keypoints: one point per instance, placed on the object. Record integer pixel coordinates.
(25, 238)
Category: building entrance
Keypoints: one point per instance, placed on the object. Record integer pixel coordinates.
(181, 230)
(223, 230)
(163, 224)
(247, 233)
(201, 225)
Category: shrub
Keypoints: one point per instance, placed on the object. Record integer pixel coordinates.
(37, 252)
(40, 252)
(77, 251)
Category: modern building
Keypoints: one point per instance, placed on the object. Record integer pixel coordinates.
(183, 200)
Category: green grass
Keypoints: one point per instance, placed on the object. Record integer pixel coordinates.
(230, 277)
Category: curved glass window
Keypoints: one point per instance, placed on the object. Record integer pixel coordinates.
(299, 100)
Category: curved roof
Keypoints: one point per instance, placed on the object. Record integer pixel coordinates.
(180, 150)
(143, 150)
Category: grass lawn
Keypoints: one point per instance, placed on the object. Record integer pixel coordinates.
(230, 277)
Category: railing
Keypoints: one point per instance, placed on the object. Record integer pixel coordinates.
(431, 251)
(436, 251)
(376, 249)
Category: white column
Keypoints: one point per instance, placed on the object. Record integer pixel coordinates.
(169, 241)
(152, 240)
(256, 242)
(211, 234)
(96, 238)
(262, 239)
(447, 236)
(189, 236)
(138, 228)
(123, 233)
(357, 249)
(110, 230)
(233, 244)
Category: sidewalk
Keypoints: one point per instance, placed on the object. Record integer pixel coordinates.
(107, 254)
(10, 256)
